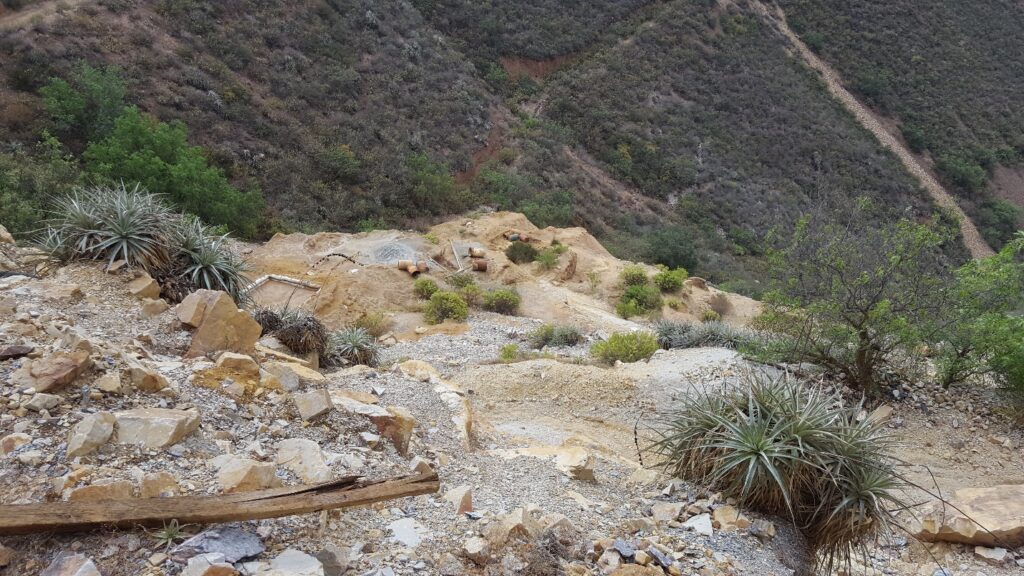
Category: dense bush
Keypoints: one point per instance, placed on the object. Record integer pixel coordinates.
(521, 252)
(502, 301)
(30, 180)
(782, 446)
(625, 347)
(548, 258)
(157, 155)
(638, 300)
(710, 316)
(551, 335)
(85, 106)
(460, 280)
(424, 288)
(445, 305)
(670, 280)
(633, 275)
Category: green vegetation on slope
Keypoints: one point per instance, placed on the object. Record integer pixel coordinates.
(951, 72)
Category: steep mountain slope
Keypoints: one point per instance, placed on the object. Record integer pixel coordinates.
(950, 73)
(681, 131)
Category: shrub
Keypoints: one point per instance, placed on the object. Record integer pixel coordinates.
(551, 335)
(850, 295)
(633, 276)
(203, 260)
(376, 324)
(445, 305)
(509, 353)
(670, 280)
(710, 316)
(351, 345)
(460, 280)
(628, 309)
(502, 301)
(781, 446)
(157, 155)
(302, 333)
(86, 105)
(521, 252)
(672, 246)
(548, 258)
(424, 288)
(626, 347)
(472, 294)
(641, 299)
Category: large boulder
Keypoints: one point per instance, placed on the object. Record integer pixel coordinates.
(220, 325)
(991, 516)
(144, 288)
(5, 236)
(154, 427)
(239, 474)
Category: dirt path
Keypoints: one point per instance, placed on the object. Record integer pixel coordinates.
(12, 20)
(972, 238)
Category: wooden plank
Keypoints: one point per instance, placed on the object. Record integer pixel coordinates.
(81, 516)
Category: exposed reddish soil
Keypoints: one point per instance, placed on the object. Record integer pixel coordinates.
(517, 67)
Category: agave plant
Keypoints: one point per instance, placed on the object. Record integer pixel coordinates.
(214, 266)
(783, 447)
(351, 346)
(302, 332)
(133, 226)
(692, 335)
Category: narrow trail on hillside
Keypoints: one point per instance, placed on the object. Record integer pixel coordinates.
(13, 19)
(976, 245)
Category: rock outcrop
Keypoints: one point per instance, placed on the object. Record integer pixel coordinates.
(992, 516)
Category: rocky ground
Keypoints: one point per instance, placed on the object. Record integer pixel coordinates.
(107, 392)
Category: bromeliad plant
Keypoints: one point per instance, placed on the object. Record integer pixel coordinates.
(783, 447)
(114, 223)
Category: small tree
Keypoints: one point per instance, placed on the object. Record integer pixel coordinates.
(979, 332)
(86, 104)
(851, 295)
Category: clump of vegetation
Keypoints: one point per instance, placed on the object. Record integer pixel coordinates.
(302, 332)
(460, 280)
(849, 296)
(639, 299)
(508, 353)
(626, 347)
(424, 288)
(710, 315)
(693, 335)
(113, 223)
(473, 295)
(521, 252)
(159, 157)
(668, 280)
(376, 324)
(444, 305)
(548, 258)
(502, 301)
(633, 275)
(551, 335)
(269, 319)
(352, 345)
(785, 447)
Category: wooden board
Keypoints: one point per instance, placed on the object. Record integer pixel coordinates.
(81, 516)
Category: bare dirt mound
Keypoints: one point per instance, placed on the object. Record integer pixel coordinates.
(358, 273)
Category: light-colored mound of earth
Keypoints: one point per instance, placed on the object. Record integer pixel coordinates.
(358, 273)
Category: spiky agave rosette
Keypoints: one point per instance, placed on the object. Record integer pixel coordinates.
(782, 446)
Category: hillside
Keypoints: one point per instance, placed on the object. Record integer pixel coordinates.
(682, 132)
(950, 76)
